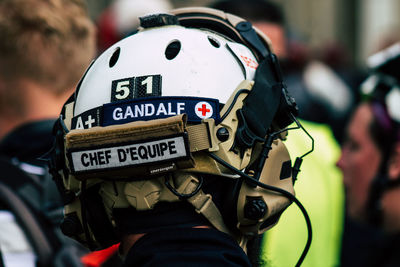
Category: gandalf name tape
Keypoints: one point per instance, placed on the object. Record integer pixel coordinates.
(160, 150)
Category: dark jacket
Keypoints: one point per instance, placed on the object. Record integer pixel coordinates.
(29, 193)
(186, 247)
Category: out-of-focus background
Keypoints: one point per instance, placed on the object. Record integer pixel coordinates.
(346, 30)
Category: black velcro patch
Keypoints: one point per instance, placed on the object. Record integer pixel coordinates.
(88, 119)
(286, 170)
(146, 86)
(135, 87)
(122, 89)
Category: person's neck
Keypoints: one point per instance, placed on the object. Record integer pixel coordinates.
(38, 103)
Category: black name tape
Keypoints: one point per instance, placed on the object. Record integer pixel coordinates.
(161, 150)
(150, 108)
(196, 108)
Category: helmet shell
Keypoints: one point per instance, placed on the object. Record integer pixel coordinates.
(206, 65)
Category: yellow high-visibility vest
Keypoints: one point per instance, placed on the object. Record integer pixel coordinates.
(320, 189)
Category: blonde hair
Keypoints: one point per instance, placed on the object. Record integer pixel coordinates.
(48, 41)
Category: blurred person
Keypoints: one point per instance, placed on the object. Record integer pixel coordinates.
(319, 186)
(45, 46)
(167, 146)
(324, 92)
(266, 16)
(121, 18)
(370, 162)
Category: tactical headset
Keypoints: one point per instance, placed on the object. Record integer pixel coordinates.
(243, 143)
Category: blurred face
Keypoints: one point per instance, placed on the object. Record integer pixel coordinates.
(276, 33)
(359, 161)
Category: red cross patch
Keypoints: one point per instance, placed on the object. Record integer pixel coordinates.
(203, 110)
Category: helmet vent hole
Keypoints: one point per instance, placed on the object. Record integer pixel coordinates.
(214, 42)
(172, 49)
(114, 58)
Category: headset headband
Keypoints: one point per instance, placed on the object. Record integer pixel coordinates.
(227, 24)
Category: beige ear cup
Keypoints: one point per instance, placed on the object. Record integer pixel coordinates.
(255, 204)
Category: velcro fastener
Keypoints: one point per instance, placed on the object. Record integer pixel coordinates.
(203, 203)
(199, 137)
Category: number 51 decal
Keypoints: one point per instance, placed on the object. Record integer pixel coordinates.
(135, 87)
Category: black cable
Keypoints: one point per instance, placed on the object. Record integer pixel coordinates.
(299, 160)
(309, 135)
(89, 240)
(279, 190)
(267, 146)
(233, 102)
(184, 196)
(301, 207)
(62, 123)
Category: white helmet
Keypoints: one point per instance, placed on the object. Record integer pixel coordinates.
(145, 121)
(166, 61)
